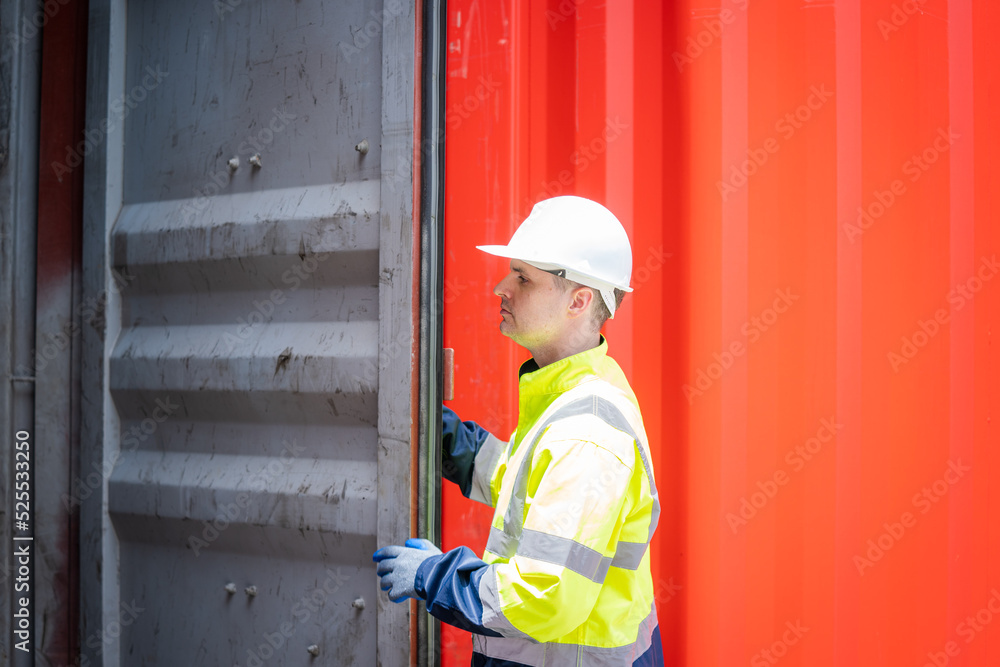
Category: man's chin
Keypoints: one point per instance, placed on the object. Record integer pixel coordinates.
(507, 329)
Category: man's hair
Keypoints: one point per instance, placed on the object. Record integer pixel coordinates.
(599, 311)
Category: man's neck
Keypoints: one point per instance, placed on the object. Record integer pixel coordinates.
(564, 347)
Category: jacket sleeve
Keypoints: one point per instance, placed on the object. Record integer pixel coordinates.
(469, 456)
(580, 498)
(450, 585)
(551, 585)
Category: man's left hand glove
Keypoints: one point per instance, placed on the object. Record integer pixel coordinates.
(397, 566)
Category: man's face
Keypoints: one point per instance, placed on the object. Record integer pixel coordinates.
(532, 304)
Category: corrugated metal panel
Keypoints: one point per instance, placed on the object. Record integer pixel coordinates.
(259, 354)
(761, 150)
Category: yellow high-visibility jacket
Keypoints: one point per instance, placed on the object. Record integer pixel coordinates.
(565, 578)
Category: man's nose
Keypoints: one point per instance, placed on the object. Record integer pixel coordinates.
(500, 290)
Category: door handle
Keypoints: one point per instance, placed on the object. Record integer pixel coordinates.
(448, 371)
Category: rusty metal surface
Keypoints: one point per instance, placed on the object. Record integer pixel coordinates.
(57, 340)
(257, 380)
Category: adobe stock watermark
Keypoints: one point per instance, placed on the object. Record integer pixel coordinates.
(302, 610)
(666, 590)
(565, 518)
(923, 501)
(227, 513)
(99, 640)
(752, 329)
(223, 7)
(584, 156)
(901, 14)
(779, 648)
(456, 114)
(915, 167)
(118, 111)
(251, 145)
(139, 433)
(566, 10)
(262, 310)
(786, 126)
(655, 259)
(31, 25)
(711, 30)
(968, 629)
(797, 458)
(460, 112)
(367, 34)
(610, 481)
(958, 296)
(90, 312)
(400, 345)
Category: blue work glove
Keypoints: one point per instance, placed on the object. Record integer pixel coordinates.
(398, 566)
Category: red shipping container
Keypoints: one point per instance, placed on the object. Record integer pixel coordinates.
(808, 187)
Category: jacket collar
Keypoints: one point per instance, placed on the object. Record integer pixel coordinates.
(539, 387)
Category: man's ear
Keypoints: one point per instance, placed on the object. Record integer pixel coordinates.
(581, 299)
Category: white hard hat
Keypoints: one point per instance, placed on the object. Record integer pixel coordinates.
(579, 239)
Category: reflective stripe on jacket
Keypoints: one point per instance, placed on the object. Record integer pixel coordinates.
(565, 577)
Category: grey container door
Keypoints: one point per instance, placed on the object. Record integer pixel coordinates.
(248, 361)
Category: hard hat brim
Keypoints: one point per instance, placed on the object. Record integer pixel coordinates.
(508, 252)
(499, 251)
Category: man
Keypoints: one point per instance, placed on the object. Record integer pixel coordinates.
(565, 577)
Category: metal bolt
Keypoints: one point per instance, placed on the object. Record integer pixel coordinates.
(359, 603)
(231, 588)
(251, 591)
(255, 160)
(362, 147)
(313, 649)
(234, 163)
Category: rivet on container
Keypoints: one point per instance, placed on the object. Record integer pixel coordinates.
(359, 603)
(255, 160)
(234, 163)
(231, 588)
(251, 591)
(313, 650)
(362, 147)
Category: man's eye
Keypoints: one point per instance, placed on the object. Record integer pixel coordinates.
(522, 279)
